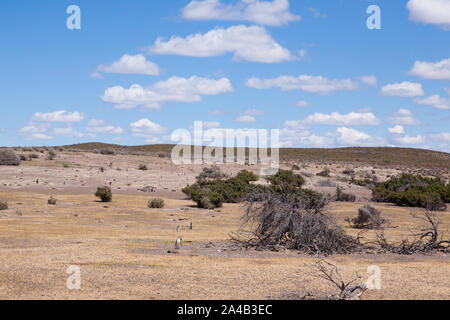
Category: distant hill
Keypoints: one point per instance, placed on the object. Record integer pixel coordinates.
(403, 157)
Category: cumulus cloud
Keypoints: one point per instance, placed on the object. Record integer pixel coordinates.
(408, 140)
(272, 13)
(432, 70)
(440, 137)
(68, 131)
(252, 43)
(436, 101)
(58, 116)
(129, 64)
(36, 132)
(337, 119)
(404, 117)
(302, 104)
(369, 80)
(397, 130)
(249, 115)
(430, 12)
(99, 126)
(315, 84)
(298, 137)
(147, 129)
(246, 118)
(174, 89)
(404, 89)
(352, 137)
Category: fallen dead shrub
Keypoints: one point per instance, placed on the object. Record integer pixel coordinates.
(292, 222)
(427, 240)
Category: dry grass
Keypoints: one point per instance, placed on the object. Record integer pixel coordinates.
(390, 157)
(122, 246)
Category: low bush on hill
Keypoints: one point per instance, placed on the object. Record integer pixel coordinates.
(413, 191)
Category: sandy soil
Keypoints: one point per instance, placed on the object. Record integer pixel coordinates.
(122, 247)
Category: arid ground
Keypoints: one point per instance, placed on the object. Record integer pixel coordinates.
(122, 247)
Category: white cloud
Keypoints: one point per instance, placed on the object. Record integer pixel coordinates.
(302, 53)
(211, 124)
(436, 102)
(352, 137)
(68, 131)
(405, 89)
(299, 137)
(408, 140)
(440, 137)
(253, 112)
(404, 117)
(337, 119)
(37, 132)
(147, 129)
(369, 80)
(316, 84)
(430, 12)
(272, 13)
(174, 89)
(432, 70)
(246, 43)
(100, 126)
(246, 119)
(105, 130)
(96, 123)
(40, 136)
(129, 64)
(302, 104)
(58, 116)
(317, 14)
(397, 130)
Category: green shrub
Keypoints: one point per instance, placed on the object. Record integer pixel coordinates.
(286, 181)
(156, 203)
(3, 205)
(413, 191)
(104, 193)
(216, 199)
(212, 193)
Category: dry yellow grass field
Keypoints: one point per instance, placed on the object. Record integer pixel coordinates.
(122, 250)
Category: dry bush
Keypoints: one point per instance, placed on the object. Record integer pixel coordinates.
(9, 158)
(51, 155)
(292, 223)
(156, 203)
(347, 290)
(143, 167)
(104, 193)
(52, 201)
(344, 197)
(325, 173)
(108, 151)
(210, 173)
(3, 205)
(428, 239)
(368, 218)
(326, 183)
(349, 172)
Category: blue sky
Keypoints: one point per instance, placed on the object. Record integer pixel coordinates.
(310, 68)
